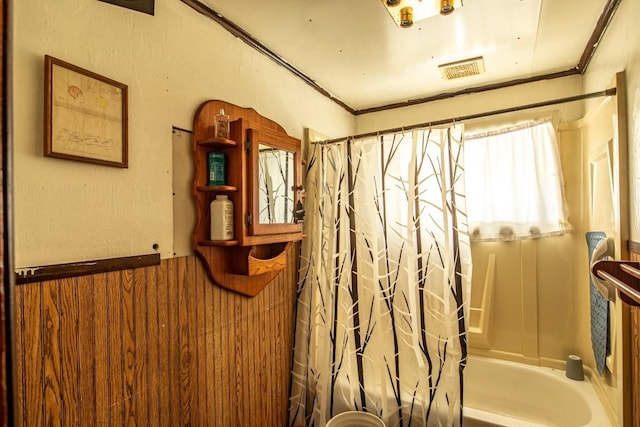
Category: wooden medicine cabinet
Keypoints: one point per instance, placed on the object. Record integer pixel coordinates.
(263, 181)
(274, 183)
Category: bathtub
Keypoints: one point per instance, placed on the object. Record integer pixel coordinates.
(502, 393)
(499, 393)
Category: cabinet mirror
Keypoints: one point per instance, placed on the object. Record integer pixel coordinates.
(276, 185)
(275, 177)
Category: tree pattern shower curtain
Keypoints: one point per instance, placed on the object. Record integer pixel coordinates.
(384, 281)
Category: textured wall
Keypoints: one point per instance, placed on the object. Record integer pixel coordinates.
(71, 211)
(619, 50)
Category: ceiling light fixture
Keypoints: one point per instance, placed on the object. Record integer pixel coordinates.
(406, 17)
(418, 9)
(446, 7)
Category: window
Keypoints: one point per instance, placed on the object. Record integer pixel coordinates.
(514, 186)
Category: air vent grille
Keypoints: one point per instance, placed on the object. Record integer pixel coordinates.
(464, 68)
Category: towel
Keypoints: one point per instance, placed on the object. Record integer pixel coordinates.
(599, 309)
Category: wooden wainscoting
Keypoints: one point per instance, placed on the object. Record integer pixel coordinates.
(154, 346)
(634, 255)
(635, 364)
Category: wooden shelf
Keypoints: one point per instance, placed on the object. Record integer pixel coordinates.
(218, 188)
(218, 242)
(254, 261)
(220, 143)
(256, 266)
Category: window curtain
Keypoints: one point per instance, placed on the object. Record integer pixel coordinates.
(514, 183)
(384, 281)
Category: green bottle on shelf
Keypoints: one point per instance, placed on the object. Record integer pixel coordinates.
(216, 168)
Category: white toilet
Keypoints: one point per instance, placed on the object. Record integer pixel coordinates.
(355, 419)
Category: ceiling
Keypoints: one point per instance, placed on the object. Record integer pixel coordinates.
(353, 52)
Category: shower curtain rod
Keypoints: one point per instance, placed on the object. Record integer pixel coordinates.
(607, 92)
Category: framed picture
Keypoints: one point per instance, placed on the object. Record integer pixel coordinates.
(85, 115)
(145, 6)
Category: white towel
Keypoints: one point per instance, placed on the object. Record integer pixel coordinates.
(603, 251)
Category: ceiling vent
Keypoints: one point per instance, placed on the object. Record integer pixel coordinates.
(464, 68)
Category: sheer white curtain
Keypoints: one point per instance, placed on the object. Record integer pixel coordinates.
(514, 183)
(384, 281)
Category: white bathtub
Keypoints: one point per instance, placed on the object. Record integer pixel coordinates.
(499, 393)
(502, 393)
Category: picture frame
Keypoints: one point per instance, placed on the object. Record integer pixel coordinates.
(145, 6)
(85, 115)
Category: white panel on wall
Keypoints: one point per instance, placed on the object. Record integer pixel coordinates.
(184, 211)
(602, 207)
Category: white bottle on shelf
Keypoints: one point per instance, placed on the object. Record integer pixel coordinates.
(221, 218)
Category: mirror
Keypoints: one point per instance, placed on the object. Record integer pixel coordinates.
(276, 185)
(275, 182)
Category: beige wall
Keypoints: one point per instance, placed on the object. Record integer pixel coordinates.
(483, 102)
(601, 135)
(70, 211)
(619, 50)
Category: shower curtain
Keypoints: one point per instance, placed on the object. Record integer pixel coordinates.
(384, 281)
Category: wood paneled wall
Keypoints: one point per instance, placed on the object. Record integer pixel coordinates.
(5, 346)
(154, 346)
(635, 369)
(635, 354)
